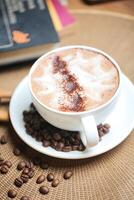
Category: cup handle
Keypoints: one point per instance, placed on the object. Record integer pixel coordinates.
(89, 133)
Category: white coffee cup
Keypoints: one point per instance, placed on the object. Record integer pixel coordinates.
(85, 122)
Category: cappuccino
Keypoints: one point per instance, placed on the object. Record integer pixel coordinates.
(74, 80)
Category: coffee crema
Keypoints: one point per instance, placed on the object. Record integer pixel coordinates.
(74, 80)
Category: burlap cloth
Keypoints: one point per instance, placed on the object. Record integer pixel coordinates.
(109, 176)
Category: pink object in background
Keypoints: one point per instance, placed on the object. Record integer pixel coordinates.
(64, 15)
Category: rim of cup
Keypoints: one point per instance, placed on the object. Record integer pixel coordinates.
(35, 65)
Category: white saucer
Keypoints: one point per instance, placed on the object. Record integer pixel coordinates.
(121, 121)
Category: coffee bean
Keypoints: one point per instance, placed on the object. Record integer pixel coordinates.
(81, 147)
(54, 143)
(46, 143)
(60, 146)
(1, 161)
(50, 177)
(67, 174)
(29, 164)
(67, 148)
(44, 165)
(107, 126)
(31, 173)
(24, 178)
(16, 152)
(3, 139)
(105, 130)
(12, 194)
(25, 198)
(75, 147)
(55, 182)
(21, 165)
(57, 136)
(4, 169)
(40, 179)
(18, 182)
(8, 163)
(44, 190)
(25, 171)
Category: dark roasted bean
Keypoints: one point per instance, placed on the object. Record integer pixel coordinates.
(67, 148)
(55, 182)
(29, 164)
(4, 169)
(81, 147)
(36, 161)
(18, 182)
(46, 143)
(57, 136)
(16, 152)
(75, 147)
(12, 194)
(40, 179)
(3, 139)
(25, 171)
(8, 163)
(44, 190)
(107, 126)
(67, 174)
(24, 178)
(25, 198)
(60, 146)
(21, 165)
(31, 173)
(50, 177)
(1, 161)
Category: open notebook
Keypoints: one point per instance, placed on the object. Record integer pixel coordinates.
(26, 30)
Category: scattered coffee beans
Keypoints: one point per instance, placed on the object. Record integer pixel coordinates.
(16, 152)
(40, 179)
(8, 163)
(4, 169)
(24, 177)
(60, 140)
(50, 177)
(43, 165)
(21, 165)
(55, 182)
(3, 139)
(18, 182)
(25, 170)
(25, 198)
(67, 174)
(31, 173)
(12, 194)
(44, 190)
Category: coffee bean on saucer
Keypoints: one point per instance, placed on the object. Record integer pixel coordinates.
(8, 163)
(12, 193)
(21, 165)
(57, 136)
(31, 173)
(67, 148)
(16, 152)
(60, 146)
(81, 147)
(107, 126)
(3, 139)
(46, 143)
(55, 182)
(4, 169)
(67, 174)
(24, 178)
(25, 198)
(44, 190)
(40, 179)
(18, 182)
(75, 147)
(50, 177)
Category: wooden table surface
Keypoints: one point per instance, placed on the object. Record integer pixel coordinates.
(9, 78)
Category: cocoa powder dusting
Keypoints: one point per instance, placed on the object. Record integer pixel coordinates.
(70, 87)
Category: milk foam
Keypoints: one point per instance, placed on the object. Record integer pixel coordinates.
(99, 83)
